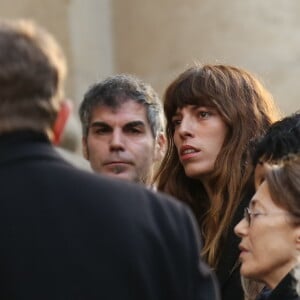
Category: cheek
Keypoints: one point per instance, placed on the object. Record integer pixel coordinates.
(95, 141)
(144, 151)
(176, 140)
(222, 137)
(214, 141)
(268, 253)
(215, 149)
(257, 262)
(96, 147)
(218, 146)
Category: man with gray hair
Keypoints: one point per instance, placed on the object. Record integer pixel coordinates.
(122, 128)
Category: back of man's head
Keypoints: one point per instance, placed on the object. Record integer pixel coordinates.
(282, 138)
(32, 72)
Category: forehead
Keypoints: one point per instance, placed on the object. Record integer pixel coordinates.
(178, 101)
(192, 108)
(260, 171)
(126, 112)
(262, 197)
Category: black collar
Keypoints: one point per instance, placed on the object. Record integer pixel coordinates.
(20, 145)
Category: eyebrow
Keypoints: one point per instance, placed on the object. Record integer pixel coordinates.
(129, 124)
(196, 106)
(255, 203)
(134, 124)
(99, 124)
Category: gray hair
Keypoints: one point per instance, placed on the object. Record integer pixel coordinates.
(115, 90)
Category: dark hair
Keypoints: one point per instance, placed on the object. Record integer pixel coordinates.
(248, 109)
(281, 139)
(116, 90)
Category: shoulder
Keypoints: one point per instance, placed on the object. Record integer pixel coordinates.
(127, 198)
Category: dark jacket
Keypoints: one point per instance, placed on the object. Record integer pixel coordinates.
(69, 234)
(285, 290)
(228, 269)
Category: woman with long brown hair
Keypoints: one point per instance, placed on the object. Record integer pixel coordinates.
(213, 113)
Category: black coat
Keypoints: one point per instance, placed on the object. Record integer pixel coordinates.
(228, 269)
(69, 234)
(285, 290)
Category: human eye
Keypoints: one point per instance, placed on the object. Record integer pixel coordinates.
(175, 121)
(204, 113)
(134, 128)
(101, 130)
(255, 214)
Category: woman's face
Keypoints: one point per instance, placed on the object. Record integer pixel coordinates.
(269, 241)
(199, 133)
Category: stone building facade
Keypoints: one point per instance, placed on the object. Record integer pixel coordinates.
(156, 40)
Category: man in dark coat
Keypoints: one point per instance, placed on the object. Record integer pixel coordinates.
(66, 233)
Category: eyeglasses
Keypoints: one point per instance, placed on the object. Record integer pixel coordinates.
(248, 214)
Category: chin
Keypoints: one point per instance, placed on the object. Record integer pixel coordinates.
(196, 174)
(120, 176)
(246, 272)
(191, 173)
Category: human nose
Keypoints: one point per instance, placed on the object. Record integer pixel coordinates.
(117, 141)
(241, 229)
(185, 128)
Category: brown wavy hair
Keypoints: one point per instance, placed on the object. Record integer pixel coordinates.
(248, 110)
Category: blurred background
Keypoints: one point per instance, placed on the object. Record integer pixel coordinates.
(157, 39)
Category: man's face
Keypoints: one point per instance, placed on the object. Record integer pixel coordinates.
(120, 142)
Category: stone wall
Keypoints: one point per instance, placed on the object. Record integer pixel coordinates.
(157, 40)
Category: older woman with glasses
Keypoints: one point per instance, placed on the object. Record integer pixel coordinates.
(270, 230)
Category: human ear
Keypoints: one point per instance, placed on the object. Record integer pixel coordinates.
(85, 151)
(61, 120)
(160, 147)
(297, 237)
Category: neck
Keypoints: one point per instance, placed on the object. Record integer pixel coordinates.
(274, 278)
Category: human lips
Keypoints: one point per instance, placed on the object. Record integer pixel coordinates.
(188, 151)
(117, 162)
(117, 167)
(114, 163)
(243, 250)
